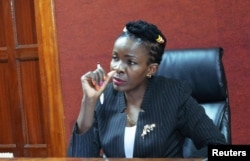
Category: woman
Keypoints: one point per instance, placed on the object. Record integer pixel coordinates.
(138, 114)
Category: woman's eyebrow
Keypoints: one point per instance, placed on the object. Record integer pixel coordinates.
(131, 55)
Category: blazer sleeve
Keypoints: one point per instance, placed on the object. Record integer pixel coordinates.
(84, 145)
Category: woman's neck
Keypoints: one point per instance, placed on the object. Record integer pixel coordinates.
(133, 104)
(134, 98)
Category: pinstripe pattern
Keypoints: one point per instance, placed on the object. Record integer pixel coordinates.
(166, 103)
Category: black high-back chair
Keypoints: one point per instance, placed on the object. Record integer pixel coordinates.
(203, 69)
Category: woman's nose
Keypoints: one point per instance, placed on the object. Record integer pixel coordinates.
(119, 67)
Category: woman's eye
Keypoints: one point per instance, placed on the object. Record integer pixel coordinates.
(114, 57)
(130, 62)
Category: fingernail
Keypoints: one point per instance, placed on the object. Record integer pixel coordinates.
(98, 65)
(101, 83)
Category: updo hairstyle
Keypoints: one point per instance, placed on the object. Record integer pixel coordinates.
(148, 35)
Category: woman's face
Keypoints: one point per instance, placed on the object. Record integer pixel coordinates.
(129, 60)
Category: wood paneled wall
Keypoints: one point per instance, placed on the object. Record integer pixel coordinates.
(30, 125)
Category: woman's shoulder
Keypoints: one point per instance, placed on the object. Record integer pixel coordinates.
(171, 85)
(160, 81)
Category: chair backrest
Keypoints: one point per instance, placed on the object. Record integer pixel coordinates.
(203, 69)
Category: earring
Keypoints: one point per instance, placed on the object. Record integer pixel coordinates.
(149, 75)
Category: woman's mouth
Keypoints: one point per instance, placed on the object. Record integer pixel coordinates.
(118, 81)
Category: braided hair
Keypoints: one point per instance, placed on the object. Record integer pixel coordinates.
(150, 36)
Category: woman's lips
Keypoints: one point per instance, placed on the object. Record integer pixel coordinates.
(118, 81)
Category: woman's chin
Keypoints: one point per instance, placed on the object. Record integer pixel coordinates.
(119, 88)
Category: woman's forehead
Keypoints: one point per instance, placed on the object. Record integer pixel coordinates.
(130, 43)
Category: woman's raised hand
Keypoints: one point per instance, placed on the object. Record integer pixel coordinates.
(94, 82)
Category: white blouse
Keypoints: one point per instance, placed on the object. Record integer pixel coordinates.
(129, 139)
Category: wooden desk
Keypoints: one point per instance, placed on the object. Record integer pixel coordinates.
(99, 159)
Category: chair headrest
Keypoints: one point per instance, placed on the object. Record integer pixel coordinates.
(202, 68)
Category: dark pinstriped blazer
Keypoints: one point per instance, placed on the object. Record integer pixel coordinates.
(167, 104)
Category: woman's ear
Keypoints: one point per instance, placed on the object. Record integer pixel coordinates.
(152, 69)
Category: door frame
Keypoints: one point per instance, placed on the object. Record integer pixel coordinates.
(50, 76)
